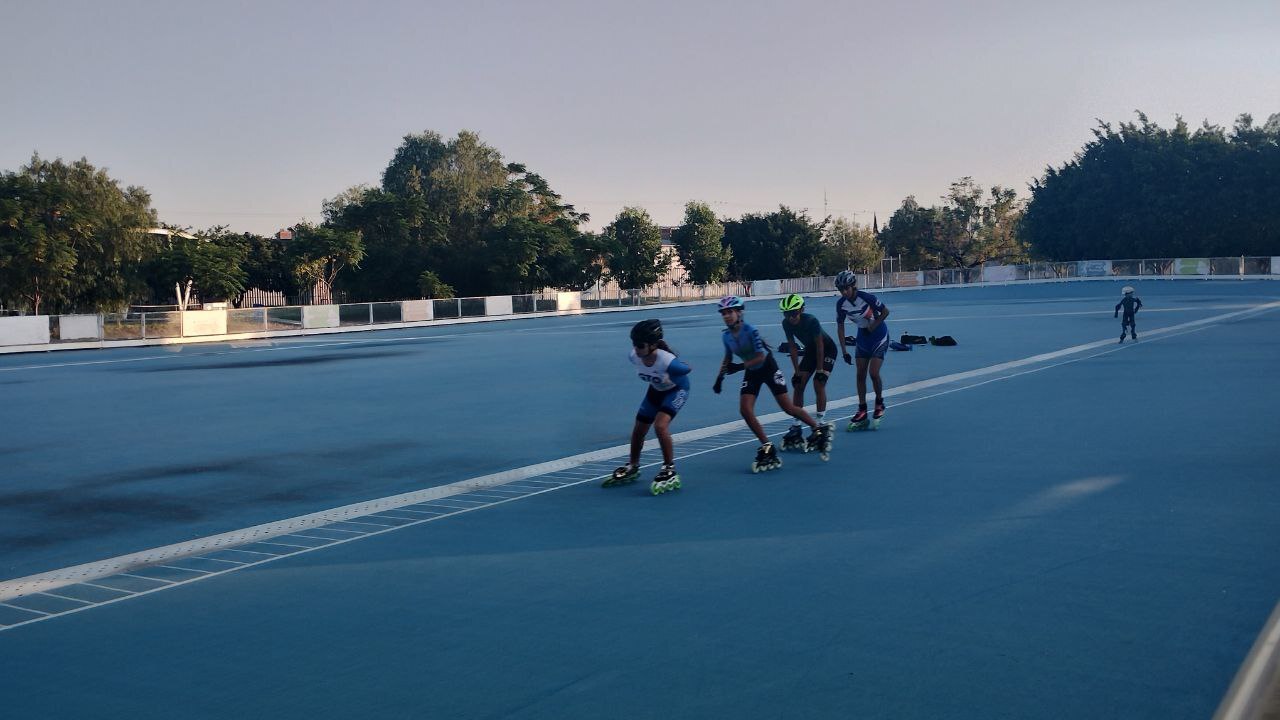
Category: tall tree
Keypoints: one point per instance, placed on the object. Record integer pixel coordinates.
(848, 245)
(319, 253)
(779, 244)
(208, 263)
(972, 226)
(80, 237)
(700, 245)
(1137, 190)
(633, 249)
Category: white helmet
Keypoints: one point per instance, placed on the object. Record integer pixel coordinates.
(1127, 290)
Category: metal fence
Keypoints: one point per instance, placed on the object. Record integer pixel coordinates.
(143, 323)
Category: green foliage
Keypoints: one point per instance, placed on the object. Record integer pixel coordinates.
(848, 245)
(318, 253)
(432, 287)
(633, 249)
(970, 228)
(781, 244)
(266, 265)
(456, 209)
(1142, 191)
(210, 263)
(71, 238)
(699, 242)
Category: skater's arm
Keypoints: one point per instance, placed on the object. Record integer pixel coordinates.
(1137, 304)
(848, 359)
(1116, 314)
(882, 312)
(678, 367)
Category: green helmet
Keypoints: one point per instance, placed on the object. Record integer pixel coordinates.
(791, 302)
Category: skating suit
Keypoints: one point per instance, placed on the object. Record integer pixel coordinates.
(746, 344)
(1131, 305)
(668, 380)
(868, 344)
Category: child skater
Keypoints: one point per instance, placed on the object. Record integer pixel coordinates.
(817, 361)
(1131, 305)
(869, 315)
(668, 379)
(761, 369)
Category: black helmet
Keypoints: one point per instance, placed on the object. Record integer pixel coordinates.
(646, 331)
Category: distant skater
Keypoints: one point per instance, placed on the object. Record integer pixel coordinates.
(1131, 305)
(868, 314)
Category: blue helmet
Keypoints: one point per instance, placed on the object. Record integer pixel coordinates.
(846, 278)
(731, 302)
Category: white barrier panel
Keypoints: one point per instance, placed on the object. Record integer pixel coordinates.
(24, 330)
(79, 327)
(999, 273)
(319, 316)
(499, 305)
(1275, 266)
(1191, 266)
(573, 300)
(1094, 268)
(204, 322)
(416, 310)
(766, 287)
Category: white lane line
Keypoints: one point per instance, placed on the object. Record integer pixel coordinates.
(191, 570)
(108, 587)
(141, 577)
(23, 609)
(432, 496)
(229, 562)
(67, 597)
(1247, 697)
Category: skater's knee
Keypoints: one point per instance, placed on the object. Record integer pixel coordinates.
(820, 379)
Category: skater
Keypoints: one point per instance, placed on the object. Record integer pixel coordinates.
(761, 369)
(668, 379)
(817, 361)
(868, 314)
(1131, 305)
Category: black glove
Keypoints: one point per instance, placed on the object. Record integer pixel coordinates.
(719, 384)
(1116, 315)
(848, 359)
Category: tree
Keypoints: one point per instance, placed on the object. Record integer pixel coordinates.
(848, 245)
(633, 249)
(782, 243)
(72, 238)
(1138, 190)
(267, 265)
(700, 245)
(36, 260)
(318, 253)
(970, 228)
(209, 263)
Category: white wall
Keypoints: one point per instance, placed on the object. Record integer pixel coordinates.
(24, 330)
(499, 305)
(766, 287)
(204, 322)
(416, 310)
(79, 327)
(573, 300)
(319, 316)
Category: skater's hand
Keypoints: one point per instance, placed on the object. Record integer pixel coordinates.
(848, 359)
(719, 384)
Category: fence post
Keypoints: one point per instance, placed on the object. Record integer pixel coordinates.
(144, 325)
(370, 313)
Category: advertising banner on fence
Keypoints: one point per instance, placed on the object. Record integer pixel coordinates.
(1095, 268)
(1191, 266)
(999, 273)
(908, 279)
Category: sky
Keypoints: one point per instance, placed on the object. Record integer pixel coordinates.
(251, 114)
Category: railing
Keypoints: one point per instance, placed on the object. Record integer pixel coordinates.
(42, 331)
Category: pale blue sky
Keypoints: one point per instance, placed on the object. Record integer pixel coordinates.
(251, 113)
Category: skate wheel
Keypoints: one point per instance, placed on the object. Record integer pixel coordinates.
(755, 468)
(675, 484)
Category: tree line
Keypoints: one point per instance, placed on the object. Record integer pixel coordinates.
(451, 217)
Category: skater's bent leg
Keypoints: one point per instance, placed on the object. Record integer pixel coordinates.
(797, 394)
(820, 392)
(747, 406)
(662, 428)
(862, 381)
(874, 366)
(794, 410)
(638, 434)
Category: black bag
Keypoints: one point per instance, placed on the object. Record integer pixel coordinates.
(942, 341)
(898, 346)
(914, 340)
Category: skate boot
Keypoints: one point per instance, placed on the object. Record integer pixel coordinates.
(859, 420)
(820, 440)
(665, 481)
(877, 416)
(794, 439)
(1122, 338)
(766, 459)
(623, 475)
(1134, 334)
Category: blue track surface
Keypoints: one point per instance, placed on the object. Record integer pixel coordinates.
(1092, 536)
